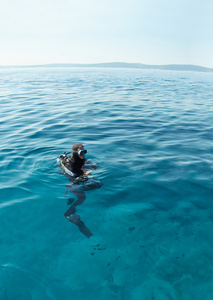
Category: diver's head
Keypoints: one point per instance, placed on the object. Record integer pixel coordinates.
(76, 147)
(79, 149)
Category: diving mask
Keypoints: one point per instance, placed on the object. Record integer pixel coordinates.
(82, 152)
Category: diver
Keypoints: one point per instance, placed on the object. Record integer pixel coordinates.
(77, 168)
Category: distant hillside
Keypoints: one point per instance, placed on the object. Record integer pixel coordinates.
(124, 65)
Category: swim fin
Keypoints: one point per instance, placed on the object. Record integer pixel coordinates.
(75, 219)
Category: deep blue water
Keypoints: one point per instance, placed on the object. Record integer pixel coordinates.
(151, 133)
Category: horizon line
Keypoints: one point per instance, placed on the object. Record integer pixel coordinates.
(172, 66)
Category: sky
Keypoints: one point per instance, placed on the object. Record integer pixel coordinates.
(95, 31)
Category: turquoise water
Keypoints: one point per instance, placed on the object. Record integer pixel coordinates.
(151, 134)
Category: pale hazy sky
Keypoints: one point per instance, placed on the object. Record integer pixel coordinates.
(92, 31)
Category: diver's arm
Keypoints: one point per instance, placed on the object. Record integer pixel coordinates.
(90, 165)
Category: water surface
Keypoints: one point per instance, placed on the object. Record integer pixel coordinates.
(151, 134)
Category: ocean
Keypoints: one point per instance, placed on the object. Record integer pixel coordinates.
(151, 134)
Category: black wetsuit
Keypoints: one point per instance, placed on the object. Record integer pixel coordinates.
(75, 164)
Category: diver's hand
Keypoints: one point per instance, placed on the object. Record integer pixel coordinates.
(87, 173)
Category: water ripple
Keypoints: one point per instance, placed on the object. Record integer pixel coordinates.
(151, 133)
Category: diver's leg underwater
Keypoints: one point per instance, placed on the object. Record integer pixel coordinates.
(81, 198)
(79, 192)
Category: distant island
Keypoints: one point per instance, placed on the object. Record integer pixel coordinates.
(173, 67)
